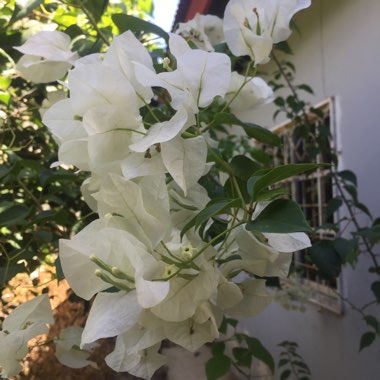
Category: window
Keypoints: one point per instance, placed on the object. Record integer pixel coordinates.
(312, 192)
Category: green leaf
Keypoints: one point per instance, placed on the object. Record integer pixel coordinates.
(278, 174)
(306, 88)
(367, 339)
(5, 97)
(333, 205)
(214, 208)
(352, 190)
(373, 322)
(273, 194)
(218, 348)
(217, 367)
(285, 375)
(348, 175)
(324, 255)
(280, 216)
(252, 130)
(284, 47)
(257, 350)
(372, 233)
(96, 8)
(136, 25)
(375, 287)
(58, 270)
(243, 356)
(24, 8)
(364, 208)
(283, 362)
(243, 167)
(13, 214)
(348, 250)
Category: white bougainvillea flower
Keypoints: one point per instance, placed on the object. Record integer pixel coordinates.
(197, 79)
(191, 333)
(162, 132)
(255, 298)
(204, 30)
(69, 133)
(252, 26)
(257, 257)
(183, 208)
(47, 57)
(67, 349)
(111, 129)
(136, 352)
(13, 347)
(254, 93)
(144, 204)
(292, 242)
(185, 296)
(117, 248)
(183, 159)
(24, 323)
(229, 294)
(36, 310)
(101, 321)
(96, 84)
(124, 51)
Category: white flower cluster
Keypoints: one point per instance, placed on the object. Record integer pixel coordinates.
(150, 282)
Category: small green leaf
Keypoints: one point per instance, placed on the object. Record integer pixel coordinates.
(306, 88)
(375, 287)
(332, 206)
(217, 367)
(96, 8)
(284, 47)
(348, 175)
(252, 130)
(13, 214)
(214, 208)
(218, 348)
(373, 322)
(243, 167)
(278, 174)
(257, 350)
(372, 233)
(324, 255)
(364, 208)
(243, 356)
(283, 362)
(280, 216)
(348, 250)
(136, 25)
(366, 340)
(285, 375)
(272, 194)
(352, 190)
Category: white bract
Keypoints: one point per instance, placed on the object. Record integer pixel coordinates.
(47, 57)
(26, 322)
(251, 27)
(154, 260)
(204, 30)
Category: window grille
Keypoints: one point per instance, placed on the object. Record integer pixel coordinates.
(312, 192)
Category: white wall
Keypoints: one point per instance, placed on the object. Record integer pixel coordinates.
(338, 54)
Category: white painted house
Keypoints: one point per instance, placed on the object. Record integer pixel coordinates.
(338, 54)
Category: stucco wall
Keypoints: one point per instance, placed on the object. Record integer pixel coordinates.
(338, 54)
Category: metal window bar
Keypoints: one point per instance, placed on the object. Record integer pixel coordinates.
(312, 192)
